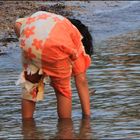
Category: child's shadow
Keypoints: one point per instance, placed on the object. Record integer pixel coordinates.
(65, 130)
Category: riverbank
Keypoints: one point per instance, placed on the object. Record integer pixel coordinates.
(97, 15)
(12, 10)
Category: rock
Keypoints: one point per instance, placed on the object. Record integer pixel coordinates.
(9, 39)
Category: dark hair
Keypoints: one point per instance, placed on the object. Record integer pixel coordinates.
(87, 38)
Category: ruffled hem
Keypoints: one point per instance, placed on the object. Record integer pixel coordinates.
(31, 91)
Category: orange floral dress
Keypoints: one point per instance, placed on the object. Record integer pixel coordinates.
(52, 45)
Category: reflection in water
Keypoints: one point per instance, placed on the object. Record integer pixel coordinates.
(30, 131)
(65, 130)
(85, 129)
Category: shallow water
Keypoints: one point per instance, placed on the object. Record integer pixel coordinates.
(113, 75)
(110, 18)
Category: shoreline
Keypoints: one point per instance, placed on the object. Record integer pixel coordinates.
(12, 10)
(22, 8)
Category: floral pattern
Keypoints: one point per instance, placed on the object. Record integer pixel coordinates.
(29, 31)
(45, 39)
(37, 43)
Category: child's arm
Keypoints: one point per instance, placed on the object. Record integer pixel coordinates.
(83, 92)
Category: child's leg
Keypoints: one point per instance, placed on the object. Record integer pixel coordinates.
(62, 89)
(28, 108)
(63, 106)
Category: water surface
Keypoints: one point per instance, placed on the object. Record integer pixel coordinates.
(113, 75)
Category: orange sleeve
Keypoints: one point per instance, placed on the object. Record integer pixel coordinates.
(81, 64)
(76, 38)
(82, 60)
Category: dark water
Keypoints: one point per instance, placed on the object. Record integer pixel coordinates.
(114, 75)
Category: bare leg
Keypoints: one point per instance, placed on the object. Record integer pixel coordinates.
(64, 106)
(28, 108)
(83, 92)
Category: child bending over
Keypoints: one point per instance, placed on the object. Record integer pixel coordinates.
(53, 47)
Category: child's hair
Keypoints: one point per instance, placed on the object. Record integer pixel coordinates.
(87, 38)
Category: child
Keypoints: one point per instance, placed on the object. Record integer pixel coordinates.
(51, 47)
